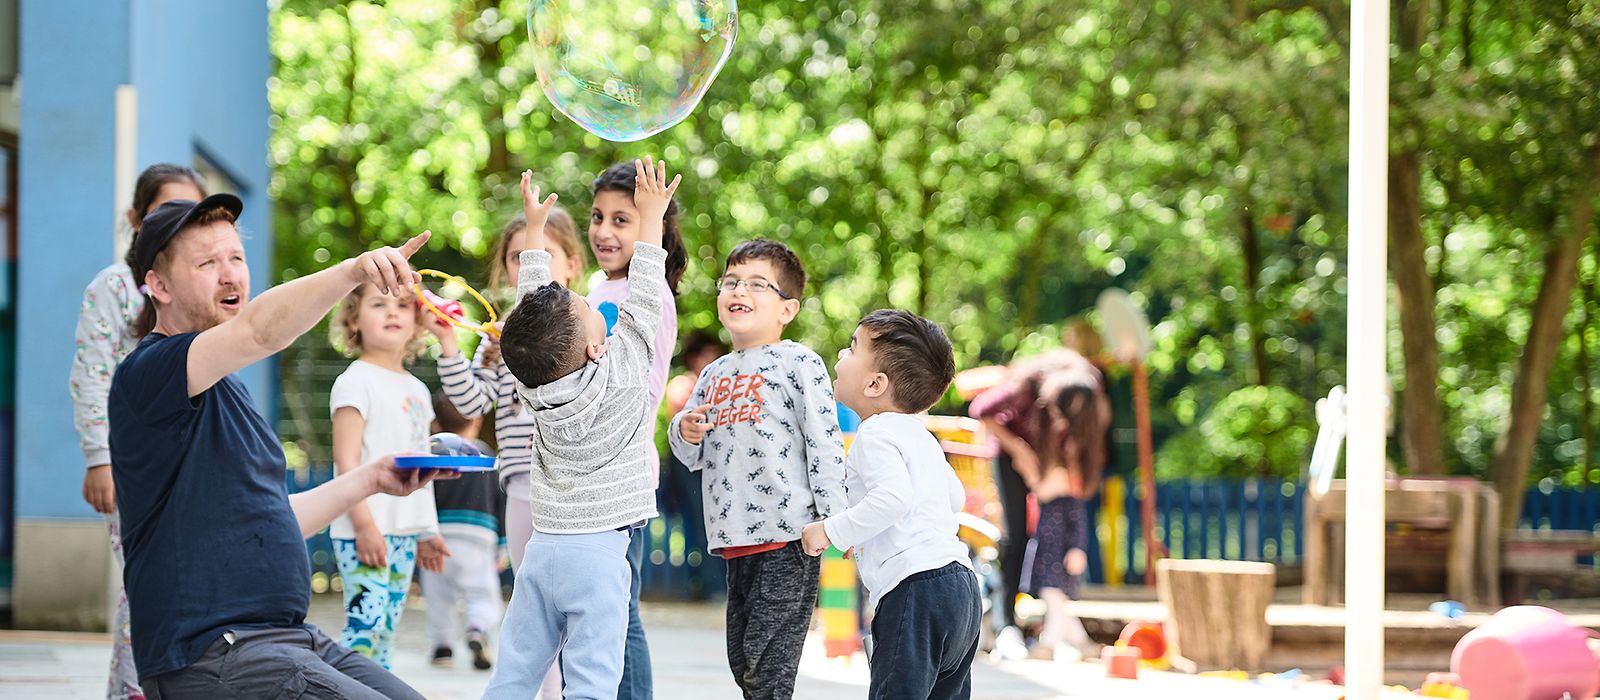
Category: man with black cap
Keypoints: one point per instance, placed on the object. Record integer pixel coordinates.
(217, 577)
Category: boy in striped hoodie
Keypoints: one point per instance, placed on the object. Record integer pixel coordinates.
(593, 463)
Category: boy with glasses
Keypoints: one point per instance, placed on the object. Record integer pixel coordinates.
(762, 427)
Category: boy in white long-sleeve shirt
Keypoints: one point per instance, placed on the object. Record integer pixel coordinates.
(902, 516)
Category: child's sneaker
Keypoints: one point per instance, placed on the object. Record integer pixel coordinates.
(478, 642)
(443, 656)
(1010, 646)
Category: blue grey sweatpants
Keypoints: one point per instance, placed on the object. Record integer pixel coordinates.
(570, 598)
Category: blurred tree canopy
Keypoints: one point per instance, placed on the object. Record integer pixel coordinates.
(994, 164)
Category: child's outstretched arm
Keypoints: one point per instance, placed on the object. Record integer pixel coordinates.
(535, 261)
(819, 426)
(640, 315)
(887, 480)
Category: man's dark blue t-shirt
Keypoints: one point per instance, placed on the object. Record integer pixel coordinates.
(210, 541)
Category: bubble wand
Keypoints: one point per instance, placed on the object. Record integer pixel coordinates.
(450, 311)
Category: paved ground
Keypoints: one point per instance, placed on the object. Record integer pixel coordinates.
(689, 661)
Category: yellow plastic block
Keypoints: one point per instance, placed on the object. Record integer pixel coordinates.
(838, 623)
(838, 573)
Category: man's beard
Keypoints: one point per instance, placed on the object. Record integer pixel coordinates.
(207, 315)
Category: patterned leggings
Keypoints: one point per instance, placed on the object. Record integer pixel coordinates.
(374, 598)
(124, 683)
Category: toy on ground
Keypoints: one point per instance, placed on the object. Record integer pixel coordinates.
(450, 311)
(1120, 661)
(1449, 609)
(1526, 652)
(1149, 639)
(1444, 685)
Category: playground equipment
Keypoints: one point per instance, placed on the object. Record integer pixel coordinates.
(966, 449)
(837, 602)
(1127, 336)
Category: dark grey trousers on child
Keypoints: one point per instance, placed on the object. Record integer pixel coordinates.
(770, 597)
(925, 635)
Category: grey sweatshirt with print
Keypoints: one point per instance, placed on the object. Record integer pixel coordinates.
(593, 464)
(773, 460)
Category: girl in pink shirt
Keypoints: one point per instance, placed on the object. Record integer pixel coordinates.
(613, 229)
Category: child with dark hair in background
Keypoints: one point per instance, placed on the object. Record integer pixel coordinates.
(904, 498)
(470, 510)
(616, 221)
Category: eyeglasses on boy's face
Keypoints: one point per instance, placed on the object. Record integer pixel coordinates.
(727, 285)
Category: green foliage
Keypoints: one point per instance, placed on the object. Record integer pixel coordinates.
(1255, 431)
(994, 164)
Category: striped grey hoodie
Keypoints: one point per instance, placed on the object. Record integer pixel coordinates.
(593, 463)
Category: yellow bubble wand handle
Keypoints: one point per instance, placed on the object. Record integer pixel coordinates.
(485, 327)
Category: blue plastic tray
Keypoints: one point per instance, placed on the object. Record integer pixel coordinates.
(452, 462)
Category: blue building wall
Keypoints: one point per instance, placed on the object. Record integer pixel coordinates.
(201, 70)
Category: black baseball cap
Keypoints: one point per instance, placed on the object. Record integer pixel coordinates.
(167, 220)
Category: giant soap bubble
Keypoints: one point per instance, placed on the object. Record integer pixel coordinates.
(627, 69)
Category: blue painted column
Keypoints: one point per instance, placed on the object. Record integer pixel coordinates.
(200, 68)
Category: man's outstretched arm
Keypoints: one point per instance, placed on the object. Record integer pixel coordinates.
(316, 508)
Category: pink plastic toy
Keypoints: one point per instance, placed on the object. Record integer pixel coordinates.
(1121, 662)
(1526, 652)
(450, 307)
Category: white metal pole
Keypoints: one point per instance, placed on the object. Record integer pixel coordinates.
(1367, 326)
(126, 164)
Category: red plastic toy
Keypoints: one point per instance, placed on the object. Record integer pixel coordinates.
(1148, 637)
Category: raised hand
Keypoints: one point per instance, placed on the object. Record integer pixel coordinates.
(491, 345)
(535, 211)
(389, 268)
(443, 332)
(651, 195)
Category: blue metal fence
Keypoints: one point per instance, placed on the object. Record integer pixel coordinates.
(1252, 519)
(1547, 508)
